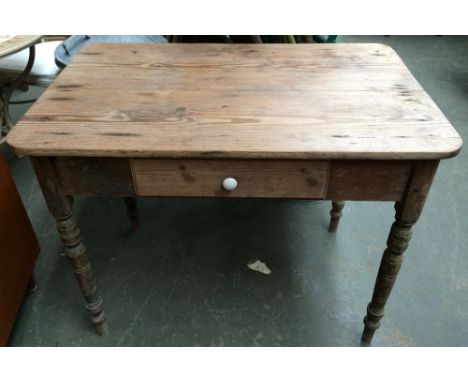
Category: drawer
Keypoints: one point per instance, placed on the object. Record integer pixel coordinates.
(244, 178)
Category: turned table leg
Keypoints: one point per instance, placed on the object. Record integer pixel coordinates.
(408, 211)
(132, 212)
(335, 215)
(398, 241)
(60, 207)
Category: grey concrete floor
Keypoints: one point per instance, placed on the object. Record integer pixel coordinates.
(182, 279)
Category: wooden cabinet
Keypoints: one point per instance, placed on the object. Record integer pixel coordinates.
(18, 251)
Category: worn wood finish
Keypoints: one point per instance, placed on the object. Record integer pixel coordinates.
(94, 176)
(347, 180)
(18, 251)
(407, 182)
(410, 208)
(306, 101)
(335, 215)
(256, 178)
(407, 213)
(318, 121)
(69, 230)
(368, 180)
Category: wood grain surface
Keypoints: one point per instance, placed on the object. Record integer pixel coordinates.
(306, 101)
(344, 180)
(256, 178)
(94, 176)
(368, 180)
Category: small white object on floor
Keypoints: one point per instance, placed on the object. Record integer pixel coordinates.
(258, 266)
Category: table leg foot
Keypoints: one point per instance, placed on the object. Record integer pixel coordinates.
(132, 212)
(371, 324)
(96, 313)
(101, 328)
(367, 336)
(335, 215)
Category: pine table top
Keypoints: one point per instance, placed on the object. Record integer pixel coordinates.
(305, 101)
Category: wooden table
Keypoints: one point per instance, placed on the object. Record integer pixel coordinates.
(336, 122)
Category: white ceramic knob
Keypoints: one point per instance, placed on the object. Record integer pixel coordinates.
(229, 184)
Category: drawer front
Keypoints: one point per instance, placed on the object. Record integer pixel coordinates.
(230, 178)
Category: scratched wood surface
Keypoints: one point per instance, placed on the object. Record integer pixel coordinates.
(307, 101)
(346, 179)
(256, 178)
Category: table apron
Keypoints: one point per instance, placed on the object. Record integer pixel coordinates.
(295, 179)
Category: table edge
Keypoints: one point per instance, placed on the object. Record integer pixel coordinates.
(300, 155)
